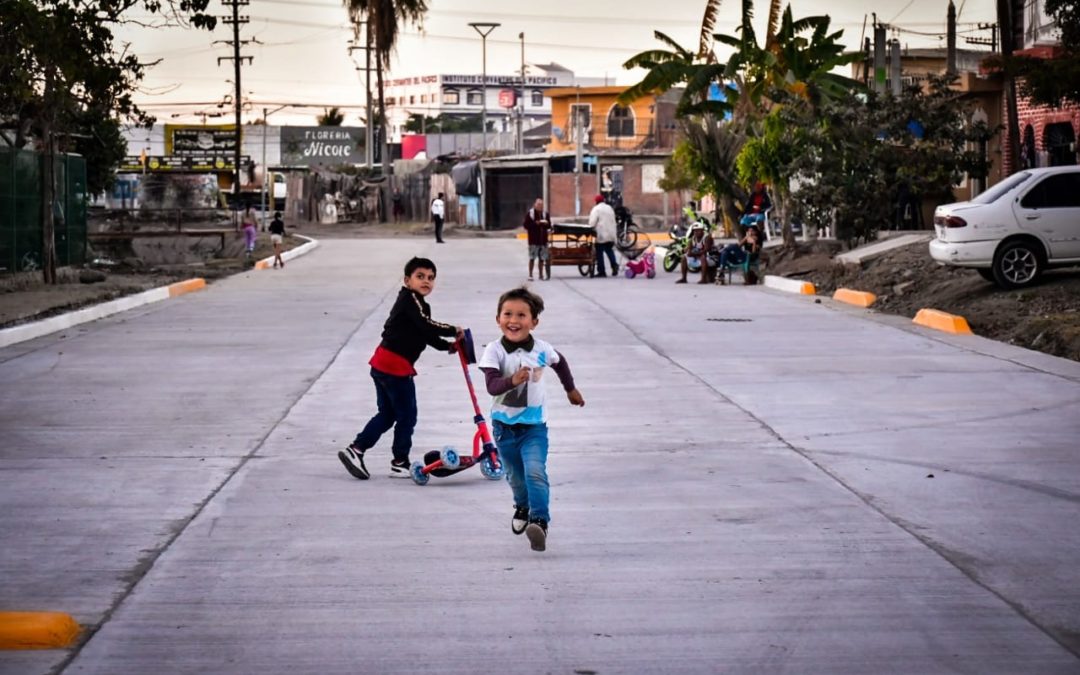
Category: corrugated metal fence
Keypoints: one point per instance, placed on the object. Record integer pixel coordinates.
(20, 210)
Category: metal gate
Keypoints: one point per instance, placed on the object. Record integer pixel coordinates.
(510, 193)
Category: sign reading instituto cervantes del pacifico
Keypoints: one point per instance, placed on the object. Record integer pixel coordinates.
(326, 146)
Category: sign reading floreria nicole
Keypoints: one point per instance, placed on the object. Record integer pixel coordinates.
(327, 146)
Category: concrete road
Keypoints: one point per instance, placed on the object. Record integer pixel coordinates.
(758, 484)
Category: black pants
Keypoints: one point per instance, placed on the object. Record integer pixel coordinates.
(608, 249)
(438, 227)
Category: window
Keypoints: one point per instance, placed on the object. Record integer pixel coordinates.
(620, 122)
(423, 98)
(474, 97)
(996, 192)
(390, 101)
(537, 99)
(1054, 192)
(451, 97)
(412, 100)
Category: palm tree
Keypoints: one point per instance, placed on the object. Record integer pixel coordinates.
(331, 117)
(384, 19)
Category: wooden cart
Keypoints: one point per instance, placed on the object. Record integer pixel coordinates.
(573, 245)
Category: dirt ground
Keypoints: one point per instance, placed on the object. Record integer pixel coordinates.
(1044, 317)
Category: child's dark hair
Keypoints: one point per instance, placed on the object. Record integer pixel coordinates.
(534, 301)
(419, 264)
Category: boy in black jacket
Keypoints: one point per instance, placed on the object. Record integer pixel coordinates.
(407, 331)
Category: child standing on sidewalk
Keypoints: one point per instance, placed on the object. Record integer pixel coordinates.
(514, 368)
(407, 331)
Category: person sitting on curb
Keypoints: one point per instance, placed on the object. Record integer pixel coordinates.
(701, 242)
(736, 254)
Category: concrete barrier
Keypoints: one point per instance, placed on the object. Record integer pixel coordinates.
(857, 298)
(938, 320)
(37, 630)
(36, 329)
(790, 285)
(303, 249)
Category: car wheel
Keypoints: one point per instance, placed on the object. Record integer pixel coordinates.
(985, 273)
(1017, 264)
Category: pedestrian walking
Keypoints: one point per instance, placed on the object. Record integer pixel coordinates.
(407, 331)
(248, 225)
(538, 226)
(602, 219)
(514, 367)
(438, 212)
(277, 238)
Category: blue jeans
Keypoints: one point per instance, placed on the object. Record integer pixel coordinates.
(608, 249)
(395, 397)
(523, 448)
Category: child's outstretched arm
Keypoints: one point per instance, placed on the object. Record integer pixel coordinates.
(562, 369)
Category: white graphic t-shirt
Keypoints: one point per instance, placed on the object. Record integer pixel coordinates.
(524, 404)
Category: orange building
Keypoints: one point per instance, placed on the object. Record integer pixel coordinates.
(647, 123)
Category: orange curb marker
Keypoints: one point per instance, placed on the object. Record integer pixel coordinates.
(37, 630)
(938, 320)
(262, 265)
(857, 298)
(181, 287)
(808, 288)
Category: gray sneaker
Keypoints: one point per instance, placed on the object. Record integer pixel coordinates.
(520, 519)
(536, 531)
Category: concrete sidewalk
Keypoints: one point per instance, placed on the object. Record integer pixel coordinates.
(747, 489)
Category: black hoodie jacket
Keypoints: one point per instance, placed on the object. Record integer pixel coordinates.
(409, 328)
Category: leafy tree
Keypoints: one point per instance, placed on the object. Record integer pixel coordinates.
(331, 117)
(383, 20)
(850, 159)
(63, 84)
(1054, 81)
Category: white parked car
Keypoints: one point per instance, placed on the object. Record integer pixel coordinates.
(1015, 230)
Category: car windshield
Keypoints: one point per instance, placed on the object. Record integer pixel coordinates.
(994, 193)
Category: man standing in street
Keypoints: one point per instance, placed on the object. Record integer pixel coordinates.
(537, 224)
(438, 211)
(602, 219)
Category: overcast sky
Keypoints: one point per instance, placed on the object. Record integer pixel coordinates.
(302, 56)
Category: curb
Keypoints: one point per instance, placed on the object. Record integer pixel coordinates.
(303, 249)
(938, 320)
(857, 298)
(37, 630)
(790, 285)
(36, 329)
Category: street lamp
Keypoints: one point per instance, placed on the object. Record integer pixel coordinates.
(484, 29)
(521, 104)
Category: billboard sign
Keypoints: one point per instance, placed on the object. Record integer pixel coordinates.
(325, 146)
(185, 140)
(507, 98)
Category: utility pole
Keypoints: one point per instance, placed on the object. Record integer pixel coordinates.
(579, 133)
(369, 126)
(235, 20)
(521, 102)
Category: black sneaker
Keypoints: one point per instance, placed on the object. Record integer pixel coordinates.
(399, 468)
(536, 531)
(353, 459)
(520, 519)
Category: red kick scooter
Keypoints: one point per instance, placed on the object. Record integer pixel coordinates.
(445, 462)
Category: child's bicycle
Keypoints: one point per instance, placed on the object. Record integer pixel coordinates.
(646, 265)
(446, 462)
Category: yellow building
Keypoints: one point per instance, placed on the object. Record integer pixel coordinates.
(647, 123)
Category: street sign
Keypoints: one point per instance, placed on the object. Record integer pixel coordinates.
(178, 164)
(507, 98)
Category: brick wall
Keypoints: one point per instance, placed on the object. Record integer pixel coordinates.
(1039, 117)
(561, 194)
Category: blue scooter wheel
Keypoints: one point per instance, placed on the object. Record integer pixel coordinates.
(449, 457)
(490, 471)
(416, 471)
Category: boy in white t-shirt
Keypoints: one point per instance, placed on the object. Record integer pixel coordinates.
(514, 367)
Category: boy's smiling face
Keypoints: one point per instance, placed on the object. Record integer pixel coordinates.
(516, 320)
(421, 281)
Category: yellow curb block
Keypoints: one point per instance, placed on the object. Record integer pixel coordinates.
(262, 265)
(938, 320)
(181, 287)
(37, 630)
(857, 298)
(808, 288)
